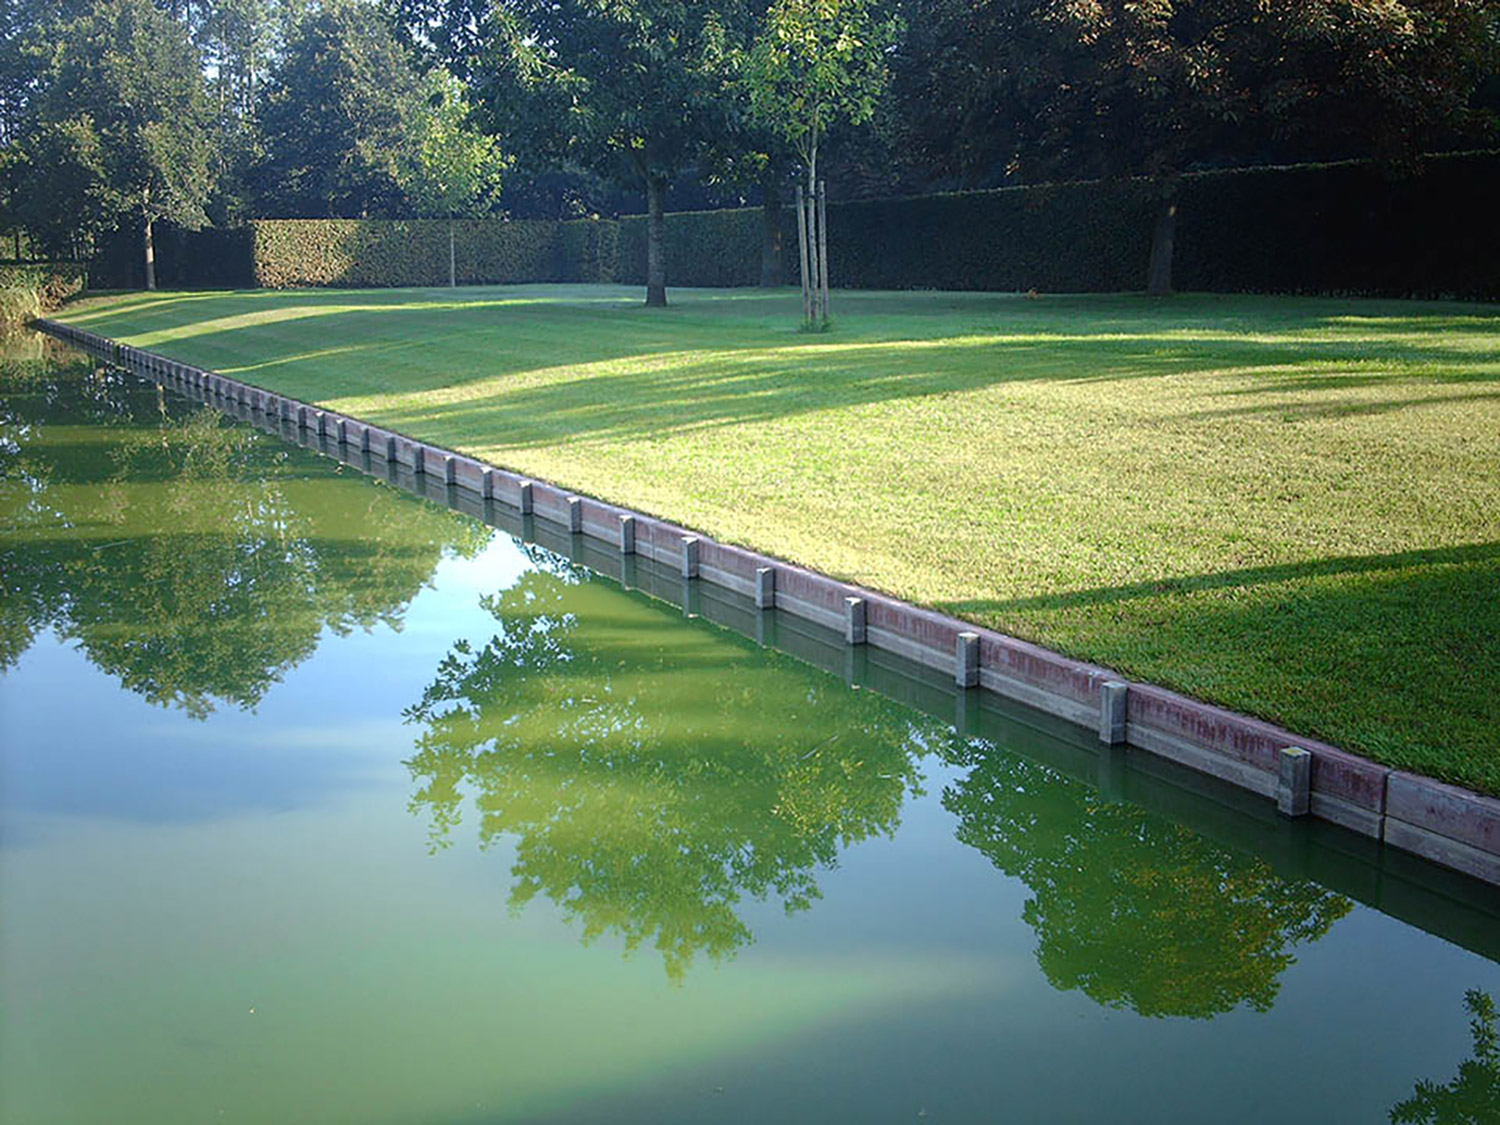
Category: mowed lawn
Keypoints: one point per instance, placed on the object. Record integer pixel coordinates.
(1288, 506)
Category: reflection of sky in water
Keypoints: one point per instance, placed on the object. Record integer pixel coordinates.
(334, 724)
(239, 918)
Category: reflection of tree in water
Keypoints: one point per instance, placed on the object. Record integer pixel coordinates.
(654, 774)
(1129, 908)
(1472, 1096)
(195, 561)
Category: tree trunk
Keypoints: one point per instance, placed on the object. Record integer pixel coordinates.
(150, 246)
(1163, 235)
(452, 257)
(770, 231)
(815, 280)
(656, 242)
(823, 246)
(802, 233)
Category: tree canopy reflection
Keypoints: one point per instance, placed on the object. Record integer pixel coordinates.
(1131, 909)
(654, 776)
(193, 560)
(1472, 1096)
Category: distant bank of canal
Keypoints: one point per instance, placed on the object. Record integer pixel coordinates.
(323, 802)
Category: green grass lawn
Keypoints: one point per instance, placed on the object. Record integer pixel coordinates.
(1288, 506)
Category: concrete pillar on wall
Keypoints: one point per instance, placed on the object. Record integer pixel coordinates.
(765, 587)
(1113, 700)
(1294, 782)
(966, 660)
(855, 632)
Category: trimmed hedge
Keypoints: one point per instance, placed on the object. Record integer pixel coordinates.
(1346, 229)
(708, 248)
(49, 283)
(211, 258)
(372, 253)
(1338, 228)
(587, 250)
(1060, 238)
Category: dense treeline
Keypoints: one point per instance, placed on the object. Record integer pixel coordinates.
(122, 114)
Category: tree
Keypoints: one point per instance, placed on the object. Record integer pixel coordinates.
(817, 62)
(1033, 90)
(337, 118)
(625, 88)
(118, 127)
(452, 168)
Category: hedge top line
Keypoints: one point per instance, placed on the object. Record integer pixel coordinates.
(1348, 228)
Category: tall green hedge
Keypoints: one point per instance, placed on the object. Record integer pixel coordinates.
(361, 253)
(1341, 228)
(211, 258)
(708, 248)
(1064, 238)
(587, 250)
(1344, 229)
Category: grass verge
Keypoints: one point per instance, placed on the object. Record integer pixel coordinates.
(1287, 506)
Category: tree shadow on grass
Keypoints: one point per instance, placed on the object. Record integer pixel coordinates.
(1394, 656)
(701, 363)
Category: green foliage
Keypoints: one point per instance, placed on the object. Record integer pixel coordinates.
(1472, 1097)
(1134, 911)
(817, 62)
(589, 250)
(178, 552)
(996, 88)
(653, 788)
(452, 168)
(709, 248)
(339, 118)
(29, 289)
(360, 252)
(119, 125)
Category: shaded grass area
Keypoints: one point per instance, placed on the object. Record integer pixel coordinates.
(1287, 506)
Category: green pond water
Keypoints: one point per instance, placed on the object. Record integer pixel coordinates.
(326, 802)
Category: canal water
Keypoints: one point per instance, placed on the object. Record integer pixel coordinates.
(325, 801)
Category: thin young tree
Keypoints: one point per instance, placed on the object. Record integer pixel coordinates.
(453, 168)
(817, 63)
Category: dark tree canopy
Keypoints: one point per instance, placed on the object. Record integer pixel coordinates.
(340, 110)
(1039, 90)
(630, 90)
(116, 129)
